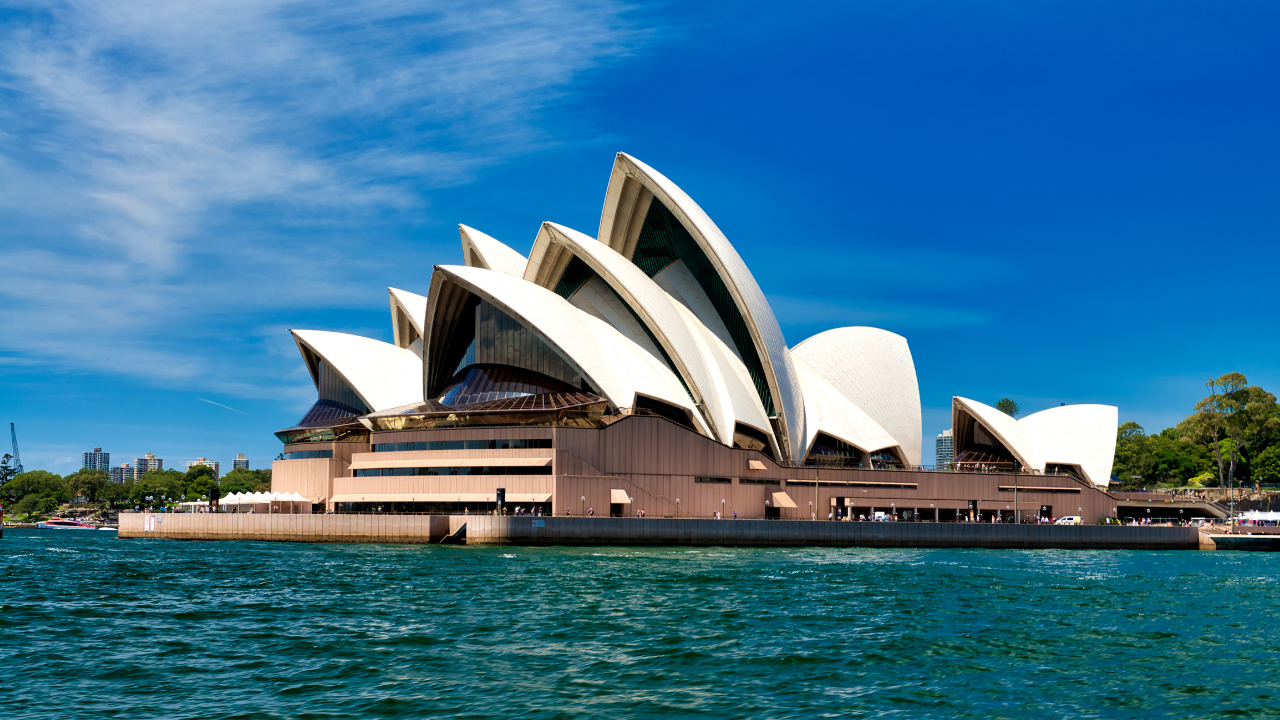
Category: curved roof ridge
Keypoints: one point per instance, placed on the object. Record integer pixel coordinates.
(383, 375)
(1007, 430)
(840, 417)
(874, 370)
(1083, 435)
(412, 307)
(615, 366)
(617, 228)
(484, 251)
(656, 310)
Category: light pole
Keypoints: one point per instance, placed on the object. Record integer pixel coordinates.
(721, 508)
(583, 511)
(893, 511)
(812, 514)
(935, 512)
(677, 508)
(633, 505)
(766, 509)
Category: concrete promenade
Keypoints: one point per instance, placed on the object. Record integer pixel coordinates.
(526, 530)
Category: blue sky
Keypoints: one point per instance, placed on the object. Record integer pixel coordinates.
(1055, 202)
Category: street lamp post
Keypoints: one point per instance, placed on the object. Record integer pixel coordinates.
(812, 514)
(583, 510)
(677, 508)
(721, 508)
(934, 511)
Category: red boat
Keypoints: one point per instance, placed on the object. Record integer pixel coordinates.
(65, 524)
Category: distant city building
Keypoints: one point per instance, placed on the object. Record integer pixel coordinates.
(213, 464)
(122, 473)
(240, 463)
(944, 449)
(144, 465)
(96, 460)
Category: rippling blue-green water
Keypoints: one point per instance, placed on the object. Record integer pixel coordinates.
(101, 627)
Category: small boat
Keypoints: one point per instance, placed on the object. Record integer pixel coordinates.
(65, 524)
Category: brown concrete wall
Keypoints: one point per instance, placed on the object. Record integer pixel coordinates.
(494, 530)
(491, 530)
(288, 528)
(656, 461)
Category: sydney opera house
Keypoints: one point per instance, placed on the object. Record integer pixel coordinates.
(642, 372)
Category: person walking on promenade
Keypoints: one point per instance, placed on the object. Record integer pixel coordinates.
(591, 512)
(735, 514)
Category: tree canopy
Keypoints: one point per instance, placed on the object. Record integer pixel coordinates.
(1230, 437)
(1008, 407)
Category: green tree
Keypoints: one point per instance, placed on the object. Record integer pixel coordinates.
(40, 483)
(87, 483)
(239, 481)
(1008, 407)
(154, 489)
(201, 485)
(7, 469)
(113, 494)
(1132, 461)
(1266, 466)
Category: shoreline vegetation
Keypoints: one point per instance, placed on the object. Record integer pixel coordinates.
(1231, 440)
(37, 495)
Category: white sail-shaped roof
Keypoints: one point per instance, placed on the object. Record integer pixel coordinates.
(383, 375)
(1083, 435)
(480, 250)
(673, 326)
(408, 316)
(616, 367)
(874, 370)
(839, 417)
(633, 185)
(1003, 427)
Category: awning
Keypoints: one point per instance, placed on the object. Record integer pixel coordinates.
(440, 497)
(450, 462)
(619, 497)
(755, 465)
(783, 500)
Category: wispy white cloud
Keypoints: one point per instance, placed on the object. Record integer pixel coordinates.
(169, 171)
(808, 313)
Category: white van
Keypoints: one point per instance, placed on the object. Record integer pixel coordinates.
(1069, 520)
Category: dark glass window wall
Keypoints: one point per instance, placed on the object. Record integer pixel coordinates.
(520, 444)
(481, 470)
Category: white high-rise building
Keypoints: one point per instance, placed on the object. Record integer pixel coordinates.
(144, 465)
(944, 449)
(122, 473)
(240, 463)
(206, 462)
(96, 460)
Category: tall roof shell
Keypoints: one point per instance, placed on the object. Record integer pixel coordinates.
(874, 370)
(679, 335)
(632, 186)
(1083, 435)
(383, 375)
(616, 367)
(480, 250)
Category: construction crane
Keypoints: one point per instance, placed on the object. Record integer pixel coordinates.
(17, 460)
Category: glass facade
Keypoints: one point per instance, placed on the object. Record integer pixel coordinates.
(486, 383)
(714, 480)
(519, 444)
(334, 388)
(309, 455)
(499, 339)
(663, 240)
(830, 452)
(476, 470)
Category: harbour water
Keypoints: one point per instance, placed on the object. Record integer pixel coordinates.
(102, 627)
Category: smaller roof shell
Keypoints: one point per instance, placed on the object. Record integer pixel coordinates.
(383, 375)
(1083, 435)
(480, 250)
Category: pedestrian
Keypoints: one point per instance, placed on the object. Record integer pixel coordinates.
(735, 514)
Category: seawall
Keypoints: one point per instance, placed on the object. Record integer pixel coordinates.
(526, 530)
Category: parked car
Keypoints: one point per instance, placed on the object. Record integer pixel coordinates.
(1069, 520)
